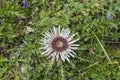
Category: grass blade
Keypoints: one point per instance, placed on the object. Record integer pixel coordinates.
(102, 48)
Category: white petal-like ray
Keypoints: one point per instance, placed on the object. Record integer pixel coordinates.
(67, 59)
(48, 35)
(66, 53)
(45, 40)
(71, 42)
(74, 48)
(49, 53)
(62, 57)
(55, 31)
(57, 56)
(48, 38)
(71, 54)
(47, 50)
(67, 32)
(71, 37)
(72, 51)
(58, 30)
(62, 32)
(52, 34)
(53, 57)
(46, 46)
(74, 45)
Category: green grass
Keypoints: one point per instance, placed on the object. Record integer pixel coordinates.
(21, 30)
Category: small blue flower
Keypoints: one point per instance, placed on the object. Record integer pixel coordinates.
(108, 16)
(24, 4)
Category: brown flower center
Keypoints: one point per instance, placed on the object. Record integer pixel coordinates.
(59, 44)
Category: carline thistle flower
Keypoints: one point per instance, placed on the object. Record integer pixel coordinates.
(59, 44)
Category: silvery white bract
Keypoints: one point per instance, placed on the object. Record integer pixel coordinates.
(59, 44)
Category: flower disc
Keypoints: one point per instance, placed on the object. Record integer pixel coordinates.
(59, 44)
